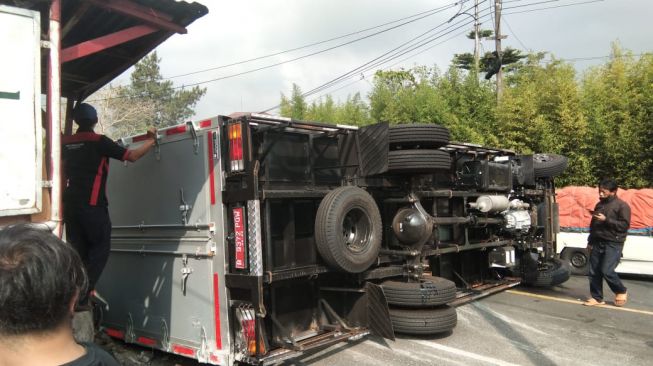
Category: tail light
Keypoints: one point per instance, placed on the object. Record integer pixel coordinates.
(246, 335)
(235, 132)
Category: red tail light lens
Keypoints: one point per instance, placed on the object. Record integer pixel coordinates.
(235, 132)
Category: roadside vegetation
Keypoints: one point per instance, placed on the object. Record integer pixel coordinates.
(601, 120)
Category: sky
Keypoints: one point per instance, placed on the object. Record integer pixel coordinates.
(580, 31)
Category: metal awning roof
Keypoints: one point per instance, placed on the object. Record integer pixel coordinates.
(100, 39)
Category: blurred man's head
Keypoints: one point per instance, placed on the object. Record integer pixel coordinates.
(40, 280)
(85, 115)
(607, 188)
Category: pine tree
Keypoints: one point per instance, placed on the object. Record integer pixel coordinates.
(148, 101)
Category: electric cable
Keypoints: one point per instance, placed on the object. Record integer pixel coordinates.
(431, 11)
(552, 7)
(375, 62)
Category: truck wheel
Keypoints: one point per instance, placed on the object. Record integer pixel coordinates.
(418, 161)
(578, 260)
(423, 321)
(418, 135)
(348, 229)
(428, 292)
(552, 273)
(548, 165)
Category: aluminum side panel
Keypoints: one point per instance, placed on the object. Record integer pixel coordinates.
(152, 251)
(149, 191)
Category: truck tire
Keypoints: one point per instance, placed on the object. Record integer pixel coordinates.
(423, 321)
(430, 291)
(348, 229)
(418, 135)
(418, 161)
(548, 165)
(553, 273)
(578, 259)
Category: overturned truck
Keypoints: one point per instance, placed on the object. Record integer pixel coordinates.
(257, 238)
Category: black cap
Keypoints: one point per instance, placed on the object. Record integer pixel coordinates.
(84, 111)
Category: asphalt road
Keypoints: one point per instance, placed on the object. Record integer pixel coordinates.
(522, 326)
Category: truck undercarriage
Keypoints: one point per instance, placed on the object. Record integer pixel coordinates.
(284, 236)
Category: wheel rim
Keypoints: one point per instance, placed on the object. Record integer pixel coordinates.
(356, 230)
(542, 158)
(578, 260)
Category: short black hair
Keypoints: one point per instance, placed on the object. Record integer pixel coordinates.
(85, 115)
(39, 277)
(609, 184)
(86, 122)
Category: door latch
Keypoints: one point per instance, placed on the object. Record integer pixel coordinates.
(185, 272)
(183, 207)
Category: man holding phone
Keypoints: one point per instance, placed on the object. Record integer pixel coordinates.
(608, 231)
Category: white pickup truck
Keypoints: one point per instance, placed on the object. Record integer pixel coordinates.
(637, 255)
(575, 204)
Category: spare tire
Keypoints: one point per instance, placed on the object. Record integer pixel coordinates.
(418, 161)
(548, 165)
(418, 136)
(429, 291)
(423, 321)
(348, 229)
(552, 273)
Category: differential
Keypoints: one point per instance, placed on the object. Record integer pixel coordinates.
(411, 227)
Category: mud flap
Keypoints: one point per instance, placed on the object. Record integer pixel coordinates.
(378, 316)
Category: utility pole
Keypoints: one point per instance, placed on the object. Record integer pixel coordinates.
(497, 42)
(476, 44)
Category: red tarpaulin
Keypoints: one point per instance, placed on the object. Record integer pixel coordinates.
(576, 202)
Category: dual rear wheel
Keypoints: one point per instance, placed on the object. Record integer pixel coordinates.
(420, 307)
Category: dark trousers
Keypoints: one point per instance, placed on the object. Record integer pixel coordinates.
(88, 230)
(604, 258)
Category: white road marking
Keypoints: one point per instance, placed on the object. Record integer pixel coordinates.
(460, 352)
(423, 356)
(507, 319)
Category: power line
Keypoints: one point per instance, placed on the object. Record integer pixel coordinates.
(388, 56)
(515, 34)
(387, 59)
(589, 58)
(390, 66)
(307, 55)
(531, 4)
(431, 11)
(380, 59)
(552, 7)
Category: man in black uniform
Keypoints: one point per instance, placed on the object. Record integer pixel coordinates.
(86, 165)
(608, 231)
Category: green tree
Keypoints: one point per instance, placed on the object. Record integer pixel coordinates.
(158, 102)
(295, 107)
(322, 110)
(421, 95)
(541, 111)
(618, 100)
(407, 96)
(489, 63)
(471, 104)
(353, 111)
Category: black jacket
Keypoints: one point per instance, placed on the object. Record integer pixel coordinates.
(615, 227)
